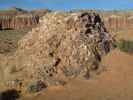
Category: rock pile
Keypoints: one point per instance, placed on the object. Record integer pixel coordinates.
(64, 46)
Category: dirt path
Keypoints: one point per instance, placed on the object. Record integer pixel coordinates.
(114, 84)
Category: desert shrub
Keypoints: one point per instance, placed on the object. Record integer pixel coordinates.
(36, 86)
(125, 45)
(9, 40)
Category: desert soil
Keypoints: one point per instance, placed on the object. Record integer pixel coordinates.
(116, 83)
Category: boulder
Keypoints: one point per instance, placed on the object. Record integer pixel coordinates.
(64, 46)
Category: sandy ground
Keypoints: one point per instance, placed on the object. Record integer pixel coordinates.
(114, 84)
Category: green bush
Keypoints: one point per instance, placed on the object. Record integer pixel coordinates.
(125, 45)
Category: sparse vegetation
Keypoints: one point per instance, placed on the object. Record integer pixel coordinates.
(125, 45)
(36, 86)
(9, 39)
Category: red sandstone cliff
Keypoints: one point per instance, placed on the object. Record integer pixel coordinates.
(16, 18)
(17, 22)
(118, 20)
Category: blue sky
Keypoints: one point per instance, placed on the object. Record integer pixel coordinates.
(69, 4)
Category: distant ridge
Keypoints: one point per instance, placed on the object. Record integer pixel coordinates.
(13, 11)
(17, 9)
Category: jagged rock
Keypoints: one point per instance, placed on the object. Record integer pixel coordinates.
(64, 46)
(116, 21)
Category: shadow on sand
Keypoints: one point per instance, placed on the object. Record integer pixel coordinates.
(10, 95)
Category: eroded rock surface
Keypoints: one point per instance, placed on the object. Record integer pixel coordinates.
(62, 47)
(19, 21)
(118, 20)
(16, 18)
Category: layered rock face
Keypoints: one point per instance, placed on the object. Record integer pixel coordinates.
(118, 21)
(64, 46)
(18, 21)
(16, 18)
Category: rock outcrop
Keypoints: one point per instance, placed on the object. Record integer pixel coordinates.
(64, 46)
(118, 21)
(18, 21)
(16, 18)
